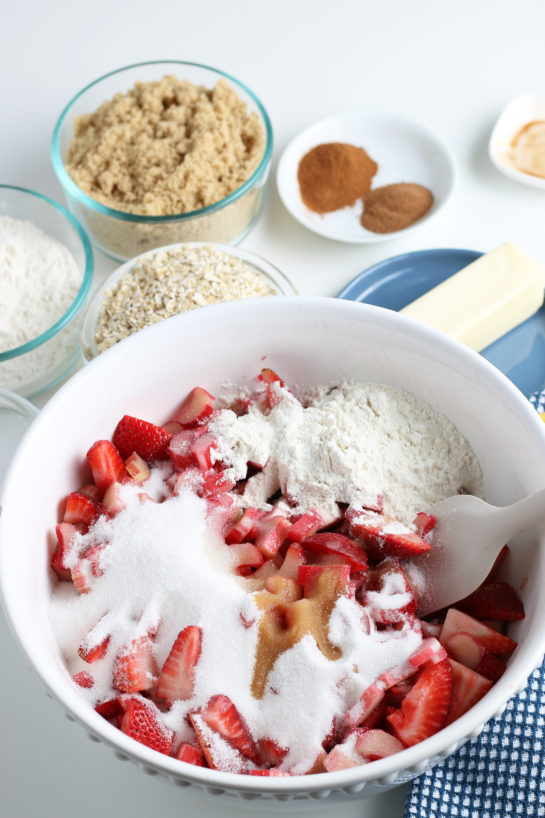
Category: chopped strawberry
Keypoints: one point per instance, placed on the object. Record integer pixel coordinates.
(66, 533)
(222, 716)
(135, 668)
(93, 652)
(491, 640)
(83, 679)
(424, 709)
(307, 524)
(218, 753)
(430, 652)
(177, 679)
(339, 546)
(110, 708)
(195, 408)
(385, 537)
(245, 528)
(375, 744)
(388, 593)
(80, 509)
(269, 377)
(308, 576)
(142, 721)
(272, 533)
(106, 464)
(90, 490)
(468, 687)
(190, 754)
(137, 468)
(396, 693)
(493, 600)
(424, 523)
(271, 753)
(179, 449)
(491, 667)
(271, 772)
(136, 435)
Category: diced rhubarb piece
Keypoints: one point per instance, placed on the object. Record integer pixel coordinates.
(465, 649)
(142, 720)
(272, 533)
(109, 709)
(492, 640)
(92, 491)
(339, 546)
(424, 709)
(266, 571)
(424, 523)
(112, 501)
(179, 449)
(137, 468)
(468, 687)
(83, 679)
(201, 450)
(295, 557)
(221, 715)
(106, 465)
(245, 556)
(388, 593)
(493, 600)
(190, 754)
(308, 576)
(80, 577)
(269, 377)
(308, 524)
(271, 753)
(189, 479)
(384, 537)
(93, 556)
(135, 668)
(80, 509)
(177, 679)
(271, 772)
(92, 652)
(491, 667)
(431, 650)
(430, 628)
(195, 408)
(375, 744)
(66, 533)
(136, 435)
(369, 699)
(339, 758)
(245, 528)
(214, 484)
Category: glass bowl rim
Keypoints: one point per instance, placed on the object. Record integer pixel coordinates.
(78, 301)
(72, 189)
(269, 271)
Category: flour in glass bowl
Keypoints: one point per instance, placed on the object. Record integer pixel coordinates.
(39, 280)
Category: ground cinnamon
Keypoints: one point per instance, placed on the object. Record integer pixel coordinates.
(394, 207)
(334, 175)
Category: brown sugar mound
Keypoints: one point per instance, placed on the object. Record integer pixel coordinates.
(394, 207)
(166, 147)
(334, 175)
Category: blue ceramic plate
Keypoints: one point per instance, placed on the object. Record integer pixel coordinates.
(397, 281)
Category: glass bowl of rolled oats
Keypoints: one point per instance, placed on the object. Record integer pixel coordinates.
(161, 283)
(163, 152)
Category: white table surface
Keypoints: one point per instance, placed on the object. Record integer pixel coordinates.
(451, 66)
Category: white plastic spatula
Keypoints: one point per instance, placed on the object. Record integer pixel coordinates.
(467, 538)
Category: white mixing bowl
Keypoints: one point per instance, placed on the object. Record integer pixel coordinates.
(308, 341)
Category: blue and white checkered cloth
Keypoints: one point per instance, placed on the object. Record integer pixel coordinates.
(502, 772)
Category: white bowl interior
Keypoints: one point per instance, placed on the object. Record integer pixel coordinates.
(308, 341)
(405, 151)
(520, 111)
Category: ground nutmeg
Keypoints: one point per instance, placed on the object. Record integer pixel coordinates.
(395, 207)
(334, 175)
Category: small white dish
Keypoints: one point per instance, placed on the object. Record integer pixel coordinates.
(405, 151)
(519, 112)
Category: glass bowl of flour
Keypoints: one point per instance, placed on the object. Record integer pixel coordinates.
(46, 269)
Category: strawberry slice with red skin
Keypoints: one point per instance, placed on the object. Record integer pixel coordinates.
(424, 523)
(271, 753)
(142, 721)
(491, 640)
(80, 509)
(109, 709)
(308, 576)
(272, 533)
(221, 715)
(424, 709)
(307, 524)
(339, 546)
(177, 679)
(195, 408)
(83, 679)
(245, 528)
(491, 667)
(396, 693)
(136, 435)
(493, 600)
(91, 491)
(385, 537)
(106, 465)
(272, 772)
(269, 377)
(468, 687)
(190, 754)
(135, 668)
(92, 653)
(179, 449)
(65, 542)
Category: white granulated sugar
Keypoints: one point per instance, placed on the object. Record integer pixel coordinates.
(39, 279)
(353, 443)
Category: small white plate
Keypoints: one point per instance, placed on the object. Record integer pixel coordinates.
(405, 151)
(518, 113)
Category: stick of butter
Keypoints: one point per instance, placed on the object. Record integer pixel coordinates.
(486, 299)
